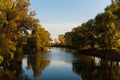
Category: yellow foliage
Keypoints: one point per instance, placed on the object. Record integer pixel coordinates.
(13, 48)
(1, 59)
(11, 55)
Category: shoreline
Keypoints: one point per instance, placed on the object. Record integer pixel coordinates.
(112, 56)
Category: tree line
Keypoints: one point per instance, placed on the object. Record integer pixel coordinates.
(102, 32)
(20, 31)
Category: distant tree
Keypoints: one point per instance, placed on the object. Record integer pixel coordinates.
(79, 40)
(61, 38)
(68, 38)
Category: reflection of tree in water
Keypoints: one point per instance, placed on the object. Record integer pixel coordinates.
(86, 64)
(107, 70)
(13, 71)
(37, 63)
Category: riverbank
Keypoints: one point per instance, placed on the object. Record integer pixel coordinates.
(113, 55)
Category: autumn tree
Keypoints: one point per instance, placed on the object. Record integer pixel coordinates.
(61, 38)
(68, 38)
(107, 22)
(41, 38)
(16, 23)
(102, 32)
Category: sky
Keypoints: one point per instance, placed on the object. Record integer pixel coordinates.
(60, 16)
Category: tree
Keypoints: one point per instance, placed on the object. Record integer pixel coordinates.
(61, 38)
(16, 21)
(78, 37)
(102, 32)
(41, 37)
(107, 28)
(68, 38)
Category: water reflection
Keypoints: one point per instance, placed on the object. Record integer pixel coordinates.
(90, 69)
(60, 54)
(13, 71)
(37, 64)
(54, 65)
(59, 64)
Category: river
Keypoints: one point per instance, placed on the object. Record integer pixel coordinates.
(60, 64)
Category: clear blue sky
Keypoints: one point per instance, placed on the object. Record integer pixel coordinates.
(60, 16)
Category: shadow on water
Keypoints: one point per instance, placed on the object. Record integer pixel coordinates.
(92, 68)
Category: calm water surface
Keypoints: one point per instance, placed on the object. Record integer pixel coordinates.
(54, 65)
(59, 64)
